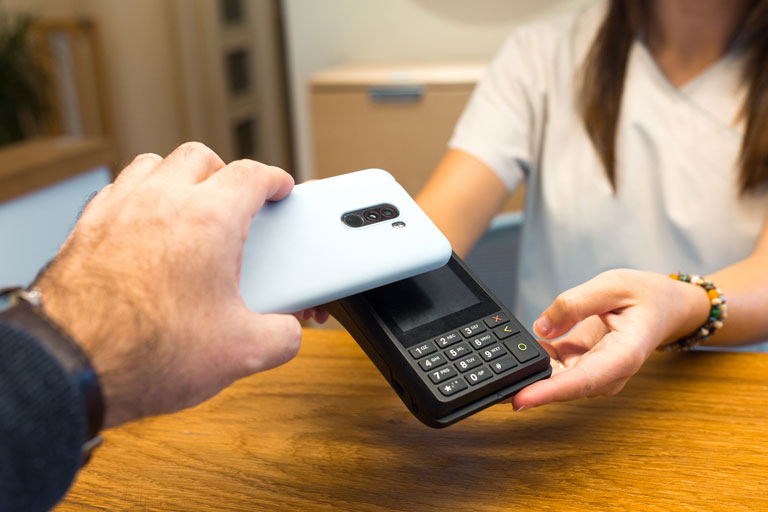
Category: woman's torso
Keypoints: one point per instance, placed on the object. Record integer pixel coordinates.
(677, 205)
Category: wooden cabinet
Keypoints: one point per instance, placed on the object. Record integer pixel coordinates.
(397, 118)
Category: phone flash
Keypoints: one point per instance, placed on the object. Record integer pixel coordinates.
(398, 225)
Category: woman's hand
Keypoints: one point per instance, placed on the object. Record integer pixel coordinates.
(613, 323)
(319, 315)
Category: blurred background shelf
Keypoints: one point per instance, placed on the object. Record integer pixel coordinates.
(44, 184)
(37, 163)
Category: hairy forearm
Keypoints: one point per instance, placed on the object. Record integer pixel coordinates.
(107, 328)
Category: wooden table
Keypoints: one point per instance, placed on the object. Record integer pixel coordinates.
(325, 432)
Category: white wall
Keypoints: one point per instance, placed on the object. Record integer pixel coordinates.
(323, 33)
(139, 74)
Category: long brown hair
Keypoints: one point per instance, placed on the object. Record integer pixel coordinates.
(603, 85)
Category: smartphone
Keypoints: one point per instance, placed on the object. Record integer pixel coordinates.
(336, 237)
(447, 346)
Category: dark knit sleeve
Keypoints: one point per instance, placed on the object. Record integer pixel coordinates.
(42, 425)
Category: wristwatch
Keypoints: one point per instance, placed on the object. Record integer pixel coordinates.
(24, 311)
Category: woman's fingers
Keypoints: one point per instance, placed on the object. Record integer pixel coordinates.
(602, 370)
(320, 315)
(585, 335)
(606, 292)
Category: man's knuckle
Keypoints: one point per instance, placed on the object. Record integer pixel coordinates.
(193, 147)
(147, 157)
(197, 151)
(243, 172)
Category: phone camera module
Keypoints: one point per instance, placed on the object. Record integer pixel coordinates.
(370, 215)
(388, 212)
(353, 220)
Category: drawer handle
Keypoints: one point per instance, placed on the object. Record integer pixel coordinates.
(396, 93)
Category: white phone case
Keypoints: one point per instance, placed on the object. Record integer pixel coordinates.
(300, 254)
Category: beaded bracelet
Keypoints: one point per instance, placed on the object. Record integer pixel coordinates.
(718, 310)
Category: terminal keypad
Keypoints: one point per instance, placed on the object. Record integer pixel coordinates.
(488, 349)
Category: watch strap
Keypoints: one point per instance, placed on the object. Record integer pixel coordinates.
(24, 315)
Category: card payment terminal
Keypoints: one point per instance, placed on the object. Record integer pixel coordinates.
(444, 343)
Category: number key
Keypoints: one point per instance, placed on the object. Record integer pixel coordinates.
(458, 351)
(470, 330)
(423, 349)
(432, 362)
(484, 340)
(437, 376)
(468, 363)
(478, 376)
(448, 339)
(493, 352)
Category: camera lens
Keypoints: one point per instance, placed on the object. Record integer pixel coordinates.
(388, 212)
(372, 216)
(352, 220)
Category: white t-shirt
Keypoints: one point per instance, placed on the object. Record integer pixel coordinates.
(677, 205)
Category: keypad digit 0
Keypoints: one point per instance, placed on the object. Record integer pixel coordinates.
(478, 376)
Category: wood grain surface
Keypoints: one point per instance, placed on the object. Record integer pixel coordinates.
(325, 432)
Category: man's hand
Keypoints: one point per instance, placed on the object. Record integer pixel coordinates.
(148, 282)
(611, 325)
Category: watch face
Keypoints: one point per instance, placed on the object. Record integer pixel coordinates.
(14, 294)
(6, 296)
